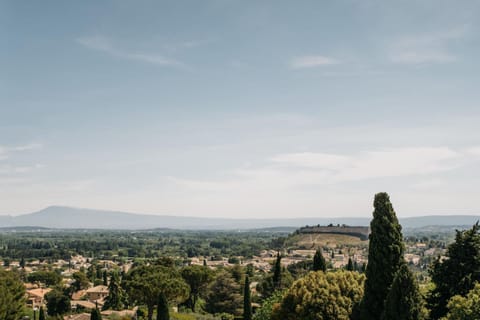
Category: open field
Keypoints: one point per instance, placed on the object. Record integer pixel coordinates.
(310, 241)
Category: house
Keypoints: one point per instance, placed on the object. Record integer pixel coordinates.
(82, 304)
(36, 297)
(97, 293)
(81, 316)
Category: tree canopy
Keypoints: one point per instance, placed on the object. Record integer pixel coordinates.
(320, 295)
(457, 274)
(58, 303)
(404, 301)
(116, 295)
(319, 263)
(197, 278)
(385, 256)
(223, 295)
(465, 308)
(145, 283)
(12, 295)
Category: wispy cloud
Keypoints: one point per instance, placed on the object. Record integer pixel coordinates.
(425, 48)
(312, 61)
(105, 45)
(293, 170)
(6, 151)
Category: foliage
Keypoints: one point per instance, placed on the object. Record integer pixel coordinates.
(58, 303)
(247, 303)
(265, 312)
(162, 308)
(116, 295)
(300, 269)
(197, 278)
(319, 263)
(41, 314)
(385, 256)
(321, 295)
(465, 308)
(277, 272)
(457, 274)
(404, 301)
(95, 314)
(223, 295)
(49, 278)
(62, 244)
(12, 295)
(350, 265)
(266, 286)
(145, 283)
(80, 281)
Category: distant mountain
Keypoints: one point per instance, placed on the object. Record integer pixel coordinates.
(76, 218)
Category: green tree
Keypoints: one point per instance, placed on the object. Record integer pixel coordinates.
(116, 295)
(268, 305)
(12, 295)
(247, 304)
(319, 263)
(404, 301)
(277, 272)
(58, 303)
(223, 295)
(145, 283)
(350, 265)
(162, 308)
(385, 256)
(321, 295)
(41, 314)
(80, 281)
(95, 314)
(197, 278)
(465, 308)
(49, 278)
(457, 274)
(105, 278)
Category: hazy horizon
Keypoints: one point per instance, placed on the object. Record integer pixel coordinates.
(240, 109)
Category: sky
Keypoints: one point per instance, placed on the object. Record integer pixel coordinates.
(253, 109)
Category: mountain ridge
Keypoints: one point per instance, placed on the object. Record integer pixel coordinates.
(62, 217)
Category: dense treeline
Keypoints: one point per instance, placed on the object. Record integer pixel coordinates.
(53, 245)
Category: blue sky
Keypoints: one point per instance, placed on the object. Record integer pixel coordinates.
(240, 108)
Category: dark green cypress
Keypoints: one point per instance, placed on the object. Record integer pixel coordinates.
(162, 308)
(247, 304)
(319, 263)
(404, 301)
(277, 272)
(457, 274)
(41, 314)
(385, 256)
(95, 314)
(350, 265)
(105, 280)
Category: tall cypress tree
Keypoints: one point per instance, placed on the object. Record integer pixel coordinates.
(41, 314)
(404, 301)
(247, 304)
(95, 314)
(162, 308)
(277, 272)
(319, 261)
(385, 256)
(350, 265)
(116, 295)
(105, 279)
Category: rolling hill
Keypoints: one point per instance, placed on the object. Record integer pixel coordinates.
(77, 218)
